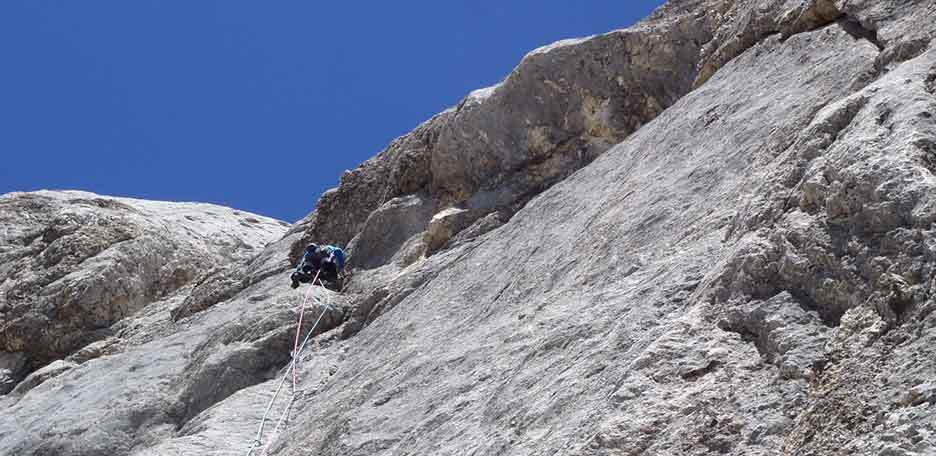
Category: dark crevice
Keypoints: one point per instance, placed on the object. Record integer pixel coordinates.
(928, 157)
(819, 367)
(850, 24)
(831, 316)
(696, 374)
(900, 52)
(747, 334)
(854, 28)
(26, 239)
(767, 324)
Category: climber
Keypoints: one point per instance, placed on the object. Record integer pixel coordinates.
(326, 260)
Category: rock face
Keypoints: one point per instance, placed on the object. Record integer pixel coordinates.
(592, 258)
(564, 105)
(73, 264)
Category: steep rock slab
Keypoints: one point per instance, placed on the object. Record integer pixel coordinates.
(231, 425)
(582, 325)
(616, 326)
(563, 106)
(845, 226)
(668, 394)
(902, 29)
(72, 263)
(136, 398)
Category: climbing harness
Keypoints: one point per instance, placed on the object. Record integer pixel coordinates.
(297, 351)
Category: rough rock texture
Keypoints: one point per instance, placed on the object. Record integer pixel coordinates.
(444, 226)
(749, 271)
(73, 264)
(561, 107)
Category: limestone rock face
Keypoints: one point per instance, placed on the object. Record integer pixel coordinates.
(73, 264)
(12, 370)
(592, 258)
(564, 105)
(53, 369)
(444, 225)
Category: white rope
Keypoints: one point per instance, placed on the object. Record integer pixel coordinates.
(292, 369)
(275, 434)
(279, 388)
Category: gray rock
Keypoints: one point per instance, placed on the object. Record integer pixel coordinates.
(76, 263)
(786, 334)
(52, 370)
(12, 370)
(481, 226)
(97, 349)
(922, 393)
(444, 225)
(388, 229)
(217, 285)
(564, 105)
(748, 271)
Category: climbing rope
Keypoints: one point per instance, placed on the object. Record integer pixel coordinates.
(305, 300)
(297, 351)
(279, 423)
(285, 416)
(299, 328)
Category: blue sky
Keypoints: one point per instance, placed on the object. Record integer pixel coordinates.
(258, 105)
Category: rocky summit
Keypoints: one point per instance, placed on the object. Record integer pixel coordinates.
(709, 233)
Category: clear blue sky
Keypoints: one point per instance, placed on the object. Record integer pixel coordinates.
(258, 105)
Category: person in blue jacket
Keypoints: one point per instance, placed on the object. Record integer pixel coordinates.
(326, 260)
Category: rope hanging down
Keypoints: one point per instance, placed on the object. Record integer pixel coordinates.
(299, 329)
(297, 350)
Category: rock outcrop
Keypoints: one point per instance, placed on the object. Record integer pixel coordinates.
(562, 106)
(74, 264)
(711, 233)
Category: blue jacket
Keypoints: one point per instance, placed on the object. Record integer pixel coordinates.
(338, 254)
